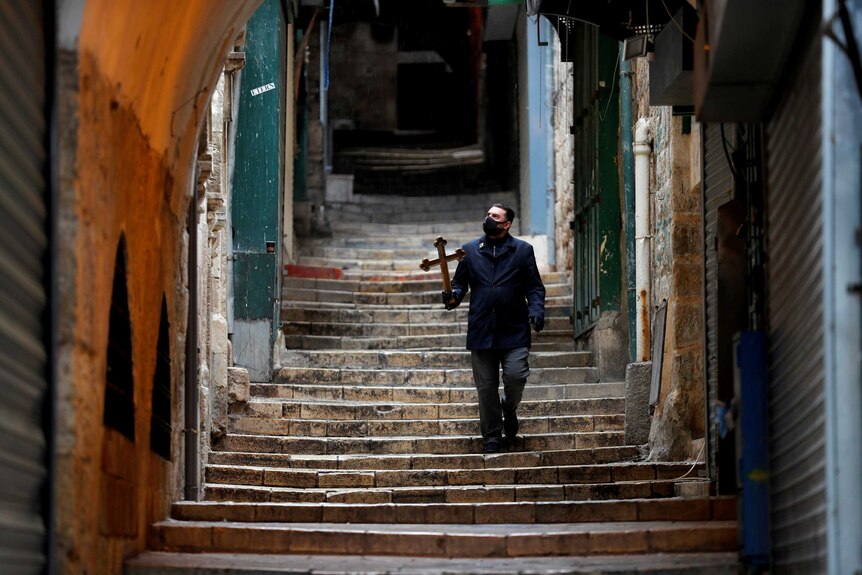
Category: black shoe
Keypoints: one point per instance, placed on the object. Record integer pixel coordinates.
(492, 445)
(511, 426)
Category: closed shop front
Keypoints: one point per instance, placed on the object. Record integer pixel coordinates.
(23, 297)
(797, 447)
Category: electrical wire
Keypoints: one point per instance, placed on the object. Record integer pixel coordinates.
(675, 23)
(602, 116)
(696, 461)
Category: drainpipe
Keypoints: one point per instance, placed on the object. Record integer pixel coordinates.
(642, 149)
(629, 193)
(192, 400)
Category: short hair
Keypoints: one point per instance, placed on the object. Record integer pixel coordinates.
(510, 213)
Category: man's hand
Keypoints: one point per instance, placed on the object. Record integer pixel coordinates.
(538, 322)
(446, 297)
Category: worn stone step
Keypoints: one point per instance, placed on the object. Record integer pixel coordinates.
(420, 359)
(427, 427)
(410, 478)
(376, 410)
(546, 340)
(374, 330)
(161, 563)
(498, 493)
(423, 394)
(445, 540)
(627, 453)
(431, 283)
(410, 444)
(431, 230)
(371, 329)
(368, 253)
(363, 329)
(554, 294)
(429, 377)
(316, 311)
(564, 305)
(527, 512)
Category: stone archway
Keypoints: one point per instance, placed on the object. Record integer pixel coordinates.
(133, 80)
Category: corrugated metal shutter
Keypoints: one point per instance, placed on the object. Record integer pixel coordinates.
(796, 394)
(717, 189)
(23, 243)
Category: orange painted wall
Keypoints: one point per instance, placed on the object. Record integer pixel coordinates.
(131, 99)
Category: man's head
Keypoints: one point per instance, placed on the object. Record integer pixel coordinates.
(498, 220)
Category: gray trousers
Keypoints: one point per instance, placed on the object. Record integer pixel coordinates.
(486, 376)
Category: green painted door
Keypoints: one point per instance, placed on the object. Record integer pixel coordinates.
(596, 221)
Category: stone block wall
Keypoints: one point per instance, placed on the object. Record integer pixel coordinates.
(677, 274)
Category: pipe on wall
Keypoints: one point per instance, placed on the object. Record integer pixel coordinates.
(642, 148)
(629, 195)
(192, 399)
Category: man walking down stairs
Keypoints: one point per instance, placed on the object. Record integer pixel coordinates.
(364, 455)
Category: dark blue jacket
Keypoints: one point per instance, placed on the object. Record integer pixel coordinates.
(507, 290)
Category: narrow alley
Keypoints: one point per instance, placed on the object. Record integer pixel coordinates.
(367, 441)
(230, 344)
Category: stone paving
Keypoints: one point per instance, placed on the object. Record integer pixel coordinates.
(367, 441)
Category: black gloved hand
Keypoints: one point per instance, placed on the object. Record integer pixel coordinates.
(446, 297)
(538, 322)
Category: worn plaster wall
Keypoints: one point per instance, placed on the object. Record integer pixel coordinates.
(564, 159)
(677, 427)
(133, 84)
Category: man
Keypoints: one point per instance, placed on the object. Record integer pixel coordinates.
(508, 297)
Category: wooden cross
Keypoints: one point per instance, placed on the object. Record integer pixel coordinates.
(443, 262)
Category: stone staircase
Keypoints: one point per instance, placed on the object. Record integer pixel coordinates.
(366, 442)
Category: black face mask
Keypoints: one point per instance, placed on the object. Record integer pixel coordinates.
(490, 226)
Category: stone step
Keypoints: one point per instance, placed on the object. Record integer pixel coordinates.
(471, 228)
(468, 513)
(429, 377)
(378, 428)
(365, 329)
(320, 311)
(350, 411)
(548, 277)
(420, 359)
(409, 444)
(626, 453)
(555, 294)
(435, 205)
(161, 563)
(444, 540)
(384, 241)
(371, 253)
(411, 478)
(422, 394)
(449, 494)
(414, 287)
(547, 340)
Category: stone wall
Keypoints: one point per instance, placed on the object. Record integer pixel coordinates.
(677, 275)
(564, 160)
(133, 85)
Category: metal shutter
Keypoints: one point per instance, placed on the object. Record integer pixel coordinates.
(23, 244)
(717, 189)
(796, 392)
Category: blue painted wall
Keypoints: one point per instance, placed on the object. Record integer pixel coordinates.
(540, 117)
